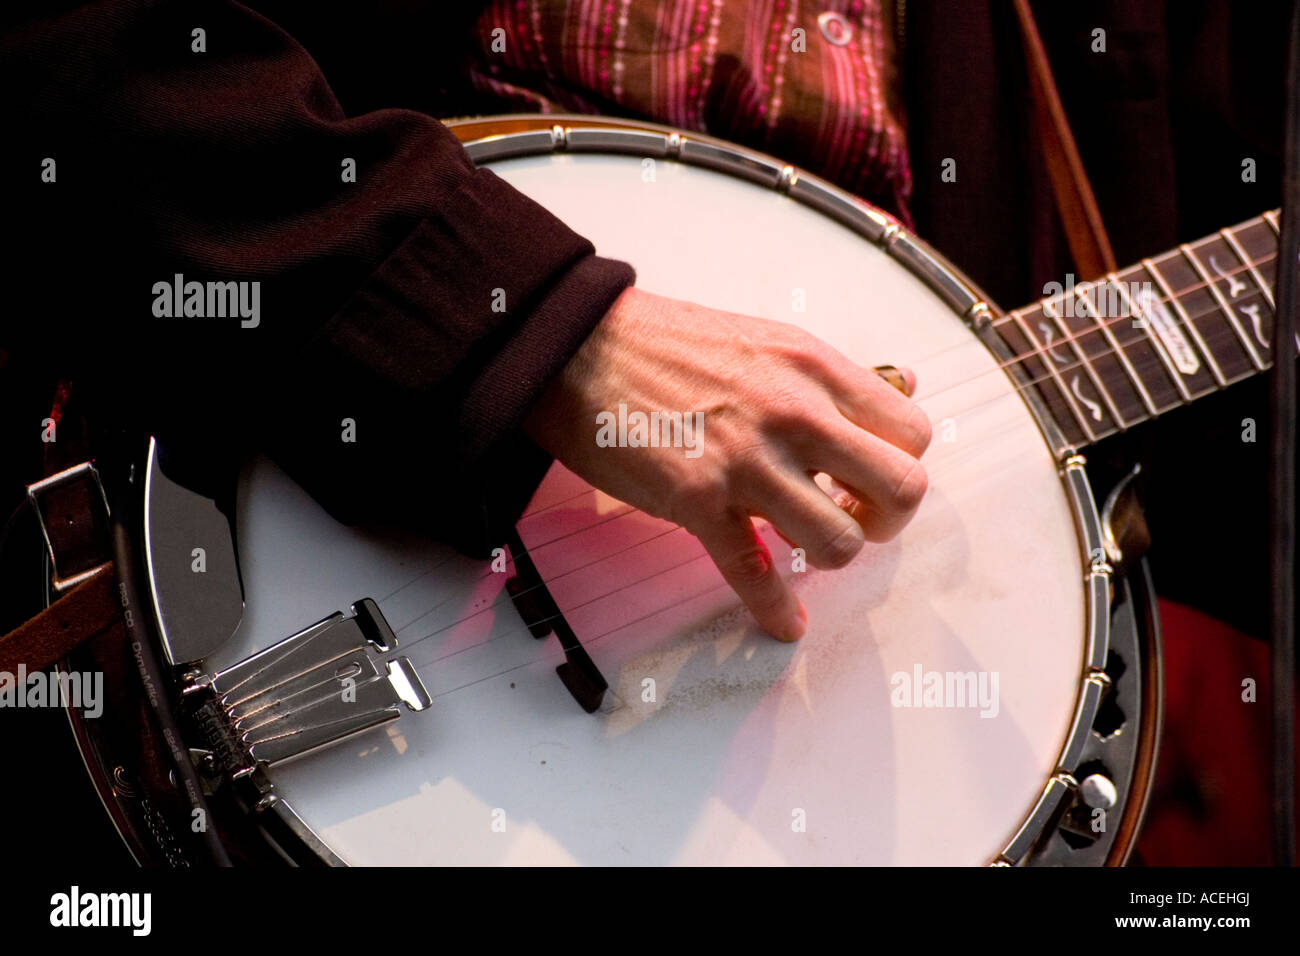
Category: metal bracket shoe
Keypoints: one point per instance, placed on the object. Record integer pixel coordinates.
(309, 691)
(73, 514)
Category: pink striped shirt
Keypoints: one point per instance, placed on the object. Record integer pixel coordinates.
(811, 83)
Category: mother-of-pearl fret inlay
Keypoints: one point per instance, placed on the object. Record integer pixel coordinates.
(1125, 356)
(1232, 242)
(1145, 321)
(1089, 397)
(1109, 354)
(1076, 422)
(1166, 329)
(1235, 289)
(1256, 323)
(1235, 285)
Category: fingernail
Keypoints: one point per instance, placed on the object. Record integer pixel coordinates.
(796, 627)
(893, 376)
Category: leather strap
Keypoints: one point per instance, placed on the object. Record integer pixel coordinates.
(1084, 231)
(75, 528)
(87, 610)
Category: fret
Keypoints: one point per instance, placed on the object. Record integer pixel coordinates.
(1145, 307)
(1235, 288)
(1241, 298)
(1116, 422)
(1264, 287)
(1115, 388)
(1048, 362)
(1106, 355)
(1271, 218)
(1050, 388)
(1258, 242)
(1189, 296)
(1179, 344)
(1137, 351)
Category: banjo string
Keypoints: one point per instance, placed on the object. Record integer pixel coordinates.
(525, 628)
(587, 642)
(1098, 327)
(627, 511)
(526, 515)
(531, 551)
(999, 368)
(504, 601)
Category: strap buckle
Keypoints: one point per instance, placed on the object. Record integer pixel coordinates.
(72, 510)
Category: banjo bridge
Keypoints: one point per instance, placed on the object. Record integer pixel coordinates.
(542, 616)
(313, 689)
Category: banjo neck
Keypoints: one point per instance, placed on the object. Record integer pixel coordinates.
(1109, 354)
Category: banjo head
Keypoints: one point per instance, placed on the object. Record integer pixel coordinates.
(947, 685)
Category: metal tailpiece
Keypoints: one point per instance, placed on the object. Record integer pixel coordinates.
(309, 691)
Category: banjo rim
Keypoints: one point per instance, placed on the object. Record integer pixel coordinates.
(516, 135)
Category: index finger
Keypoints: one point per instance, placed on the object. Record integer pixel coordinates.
(746, 564)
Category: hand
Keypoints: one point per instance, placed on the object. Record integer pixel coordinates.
(777, 405)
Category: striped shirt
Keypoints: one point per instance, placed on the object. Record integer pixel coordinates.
(811, 83)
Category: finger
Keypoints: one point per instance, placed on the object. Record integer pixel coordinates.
(876, 525)
(805, 516)
(887, 483)
(746, 565)
(868, 399)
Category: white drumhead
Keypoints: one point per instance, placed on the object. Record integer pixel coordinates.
(718, 744)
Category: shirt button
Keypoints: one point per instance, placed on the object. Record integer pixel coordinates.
(835, 28)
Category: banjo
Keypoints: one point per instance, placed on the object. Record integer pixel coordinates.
(984, 689)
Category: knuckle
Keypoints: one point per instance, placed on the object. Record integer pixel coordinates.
(911, 489)
(794, 337)
(821, 430)
(748, 567)
(843, 547)
(805, 351)
(922, 430)
(749, 458)
(784, 413)
(801, 425)
(748, 468)
(756, 473)
(699, 499)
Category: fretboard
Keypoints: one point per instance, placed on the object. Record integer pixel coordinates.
(1110, 354)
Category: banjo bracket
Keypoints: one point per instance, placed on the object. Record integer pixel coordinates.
(313, 689)
(1124, 528)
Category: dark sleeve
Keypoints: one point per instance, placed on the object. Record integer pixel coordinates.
(417, 311)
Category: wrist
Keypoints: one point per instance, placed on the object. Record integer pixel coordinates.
(561, 401)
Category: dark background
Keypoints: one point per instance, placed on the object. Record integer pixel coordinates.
(1163, 120)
